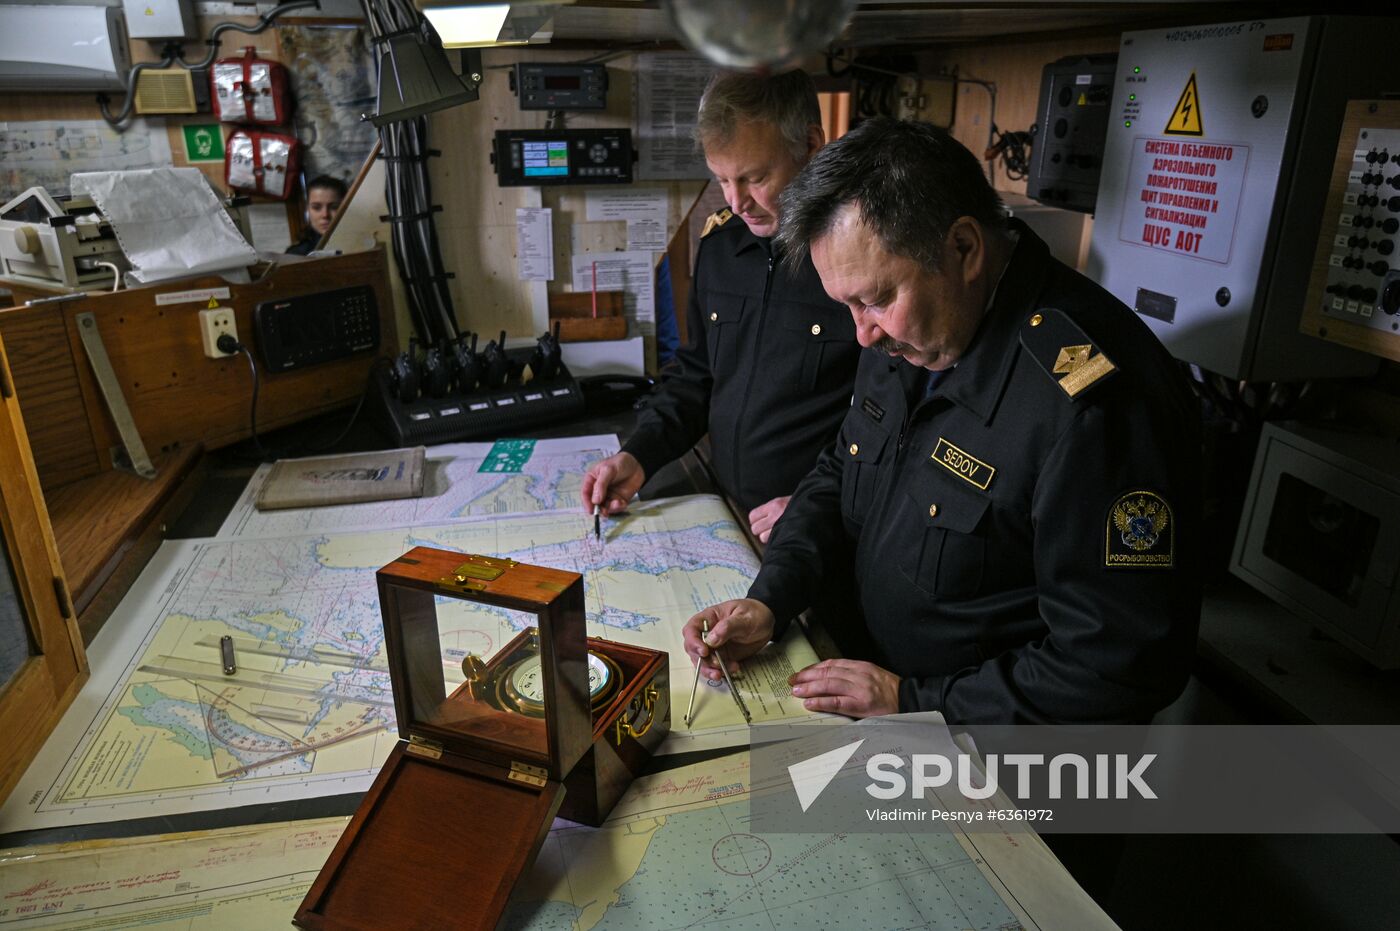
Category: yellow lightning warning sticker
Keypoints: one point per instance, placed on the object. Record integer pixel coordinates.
(1186, 117)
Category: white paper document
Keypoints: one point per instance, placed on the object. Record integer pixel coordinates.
(534, 234)
(648, 203)
(647, 235)
(669, 86)
(168, 221)
(268, 224)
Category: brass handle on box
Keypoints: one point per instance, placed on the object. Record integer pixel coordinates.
(628, 728)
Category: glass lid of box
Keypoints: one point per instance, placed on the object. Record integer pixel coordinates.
(488, 657)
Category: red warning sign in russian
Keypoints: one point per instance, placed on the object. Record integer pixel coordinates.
(1184, 196)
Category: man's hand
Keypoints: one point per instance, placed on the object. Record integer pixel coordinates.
(611, 483)
(846, 686)
(742, 627)
(763, 517)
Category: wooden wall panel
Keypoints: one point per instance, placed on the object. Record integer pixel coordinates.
(177, 396)
(477, 225)
(46, 379)
(1014, 66)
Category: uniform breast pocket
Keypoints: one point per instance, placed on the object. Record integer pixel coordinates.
(863, 444)
(825, 334)
(722, 314)
(947, 552)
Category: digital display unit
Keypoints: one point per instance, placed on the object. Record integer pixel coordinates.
(546, 158)
(557, 86)
(525, 157)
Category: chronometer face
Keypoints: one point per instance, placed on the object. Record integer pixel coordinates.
(527, 678)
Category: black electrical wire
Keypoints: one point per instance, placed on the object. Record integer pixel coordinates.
(408, 193)
(1014, 151)
(229, 344)
(354, 415)
(172, 56)
(263, 22)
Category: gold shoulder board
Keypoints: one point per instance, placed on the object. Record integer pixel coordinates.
(715, 220)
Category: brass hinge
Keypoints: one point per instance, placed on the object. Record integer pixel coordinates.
(65, 602)
(530, 775)
(421, 746)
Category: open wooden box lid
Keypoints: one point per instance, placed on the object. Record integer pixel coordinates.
(435, 844)
(459, 812)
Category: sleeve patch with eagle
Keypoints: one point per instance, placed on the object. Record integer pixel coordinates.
(1140, 532)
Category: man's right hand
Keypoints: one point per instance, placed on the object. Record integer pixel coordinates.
(611, 483)
(742, 627)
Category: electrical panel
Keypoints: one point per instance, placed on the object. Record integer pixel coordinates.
(1354, 296)
(160, 19)
(1067, 154)
(563, 156)
(546, 86)
(1215, 173)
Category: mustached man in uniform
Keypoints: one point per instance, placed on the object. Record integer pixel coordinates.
(771, 359)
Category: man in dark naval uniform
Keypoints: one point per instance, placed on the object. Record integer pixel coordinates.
(1018, 471)
(771, 359)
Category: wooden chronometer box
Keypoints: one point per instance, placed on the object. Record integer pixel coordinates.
(466, 798)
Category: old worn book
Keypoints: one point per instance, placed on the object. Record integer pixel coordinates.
(344, 479)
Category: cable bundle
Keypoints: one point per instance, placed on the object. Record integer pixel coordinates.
(408, 192)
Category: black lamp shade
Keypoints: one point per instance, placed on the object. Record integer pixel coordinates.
(415, 77)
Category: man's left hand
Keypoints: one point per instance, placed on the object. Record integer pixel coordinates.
(763, 517)
(847, 686)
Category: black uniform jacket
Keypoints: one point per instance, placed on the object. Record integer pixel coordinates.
(767, 373)
(1026, 539)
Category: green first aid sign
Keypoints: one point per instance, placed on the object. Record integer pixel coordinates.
(204, 142)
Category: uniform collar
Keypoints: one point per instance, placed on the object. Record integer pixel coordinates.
(747, 240)
(982, 373)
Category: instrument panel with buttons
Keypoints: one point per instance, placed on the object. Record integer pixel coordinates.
(1363, 269)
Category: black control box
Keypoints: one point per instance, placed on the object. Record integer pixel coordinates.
(1067, 154)
(526, 157)
(311, 329)
(480, 414)
(544, 86)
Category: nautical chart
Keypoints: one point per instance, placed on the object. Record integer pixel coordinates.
(677, 853)
(247, 877)
(461, 481)
(160, 729)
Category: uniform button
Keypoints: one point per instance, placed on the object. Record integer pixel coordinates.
(933, 510)
(855, 448)
(1036, 320)
(816, 329)
(714, 317)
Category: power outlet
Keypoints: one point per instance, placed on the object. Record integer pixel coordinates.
(213, 323)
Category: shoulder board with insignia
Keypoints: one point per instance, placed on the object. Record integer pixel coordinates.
(715, 220)
(1068, 356)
